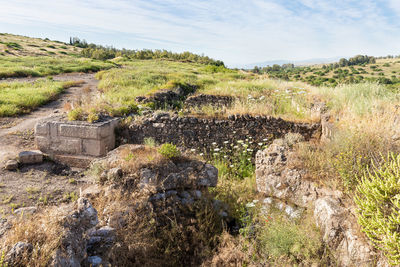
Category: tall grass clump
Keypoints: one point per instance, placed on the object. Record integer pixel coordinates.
(359, 99)
(364, 116)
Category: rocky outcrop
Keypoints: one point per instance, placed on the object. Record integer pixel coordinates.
(151, 199)
(70, 225)
(277, 179)
(72, 250)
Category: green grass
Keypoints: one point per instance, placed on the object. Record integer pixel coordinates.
(43, 66)
(18, 98)
(255, 94)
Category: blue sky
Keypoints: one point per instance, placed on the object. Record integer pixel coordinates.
(237, 31)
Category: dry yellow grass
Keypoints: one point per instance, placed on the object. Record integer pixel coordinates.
(17, 45)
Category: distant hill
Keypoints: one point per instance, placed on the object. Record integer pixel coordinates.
(312, 61)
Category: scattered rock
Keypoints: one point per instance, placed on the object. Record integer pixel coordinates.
(25, 210)
(19, 252)
(91, 191)
(72, 250)
(4, 226)
(30, 157)
(94, 261)
(114, 174)
(11, 165)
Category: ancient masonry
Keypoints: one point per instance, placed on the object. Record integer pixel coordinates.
(75, 142)
(200, 133)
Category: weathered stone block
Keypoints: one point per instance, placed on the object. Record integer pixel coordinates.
(109, 142)
(42, 143)
(75, 138)
(65, 145)
(93, 147)
(53, 130)
(30, 157)
(42, 129)
(81, 131)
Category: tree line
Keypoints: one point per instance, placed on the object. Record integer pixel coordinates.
(108, 52)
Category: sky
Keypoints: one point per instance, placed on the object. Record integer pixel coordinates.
(239, 32)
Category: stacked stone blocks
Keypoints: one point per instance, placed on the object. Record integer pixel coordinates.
(59, 137)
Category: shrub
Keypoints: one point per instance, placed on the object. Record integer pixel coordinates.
(169, 151)
(378, 201)
(149, 141)
(75, 114)
(92, 116)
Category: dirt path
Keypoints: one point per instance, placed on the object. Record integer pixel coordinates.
(16, 134)
(47, 183)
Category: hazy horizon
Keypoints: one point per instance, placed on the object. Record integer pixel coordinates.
(238, 32)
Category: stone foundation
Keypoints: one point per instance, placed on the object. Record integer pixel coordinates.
(60, 138)
(200, 133)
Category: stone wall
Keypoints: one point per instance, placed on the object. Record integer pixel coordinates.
(201, 133)
(56, 136)
(213, 100)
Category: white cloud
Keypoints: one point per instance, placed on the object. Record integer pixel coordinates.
(237, 32)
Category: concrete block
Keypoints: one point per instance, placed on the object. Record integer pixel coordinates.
(42, 129)
(30, 157)
(81, 131)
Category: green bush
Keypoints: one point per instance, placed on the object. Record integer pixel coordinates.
(378, 201)
(75, 114)
(169, 151)
(92, 116)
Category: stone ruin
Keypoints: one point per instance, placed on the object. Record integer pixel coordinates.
(287, 188)
(75, 142)
(89, 235)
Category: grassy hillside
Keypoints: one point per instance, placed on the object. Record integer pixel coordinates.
(11, 67)
(17, 45)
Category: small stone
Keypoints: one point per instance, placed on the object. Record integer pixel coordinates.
(114, 174)
(95, 260)
(91, 191)
(17, 253)
(11, 165)
(196, 194)
(31, 157)
(26, 210)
